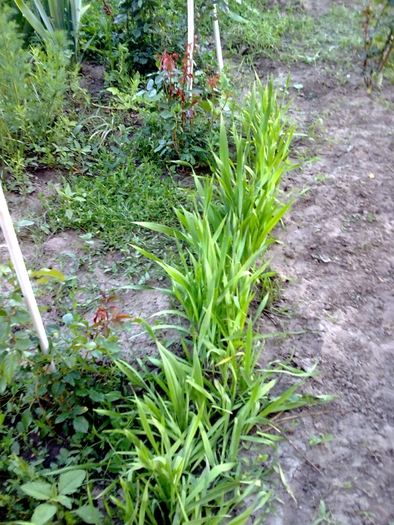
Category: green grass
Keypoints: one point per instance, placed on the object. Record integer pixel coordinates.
(107, 205)
(292, 36)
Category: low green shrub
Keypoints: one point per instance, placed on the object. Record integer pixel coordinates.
(33, 86)
(47, 421)
(182, 115)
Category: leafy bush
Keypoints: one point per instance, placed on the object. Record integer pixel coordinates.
(33, 85)
(145, 27)
(183, 110)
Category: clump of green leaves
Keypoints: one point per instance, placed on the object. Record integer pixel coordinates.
(184, 109)
(33, 85)
(60, 500)
(221, 242)
(378, 26)
(47, 420)
(184, 424)
(178, 438)
(145, 27)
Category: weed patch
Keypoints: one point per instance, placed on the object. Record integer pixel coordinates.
(106, 206)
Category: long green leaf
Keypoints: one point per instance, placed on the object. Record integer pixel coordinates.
(33, 20)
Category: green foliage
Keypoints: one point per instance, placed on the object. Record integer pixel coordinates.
(33, 85)
(183, 432)
(325, 517)
(111, 202)
(184, 423)
(221, 241)
(160, 438)
(168, 430)
(378, 25)
(184, 118)
(317, 440)
(264, 32)
(57, 498)
(53, 16)
(48, 420)
(146, 27)
(291, 34)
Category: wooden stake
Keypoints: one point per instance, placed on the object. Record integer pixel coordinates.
(190, 42)
(216, 34)
(23, 277)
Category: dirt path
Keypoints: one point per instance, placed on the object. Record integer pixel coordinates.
(338, 252)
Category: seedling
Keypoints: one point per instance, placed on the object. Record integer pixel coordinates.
(58, 504)
(325, 517)
(322, 438)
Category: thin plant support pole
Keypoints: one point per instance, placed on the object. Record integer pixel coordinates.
(23, 277)
(216, 34)
(190, 43)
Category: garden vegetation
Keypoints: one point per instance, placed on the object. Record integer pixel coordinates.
(156, 439)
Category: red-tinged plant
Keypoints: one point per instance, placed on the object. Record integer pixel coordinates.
(107, 316)
(187, 107)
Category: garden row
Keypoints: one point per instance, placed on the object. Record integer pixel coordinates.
(160, 441)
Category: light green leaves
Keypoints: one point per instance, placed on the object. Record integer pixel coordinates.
(38, 490)
(191, 417)
(71, 481)
(81, 425)
(43, 513)
(89, 514)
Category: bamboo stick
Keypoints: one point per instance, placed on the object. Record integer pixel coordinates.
(216, 34)
(23, 277)
(190, 42)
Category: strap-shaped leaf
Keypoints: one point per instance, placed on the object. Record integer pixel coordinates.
(33, 20)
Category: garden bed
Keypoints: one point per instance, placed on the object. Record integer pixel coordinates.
(335, 268)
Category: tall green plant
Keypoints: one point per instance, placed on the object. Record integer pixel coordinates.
(32, 90)
(55, 15)
(378, 25)
(222, 242)
(184, 424)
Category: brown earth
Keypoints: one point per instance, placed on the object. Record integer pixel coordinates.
(337, 270)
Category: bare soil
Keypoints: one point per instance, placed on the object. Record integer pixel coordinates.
(337, 270)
